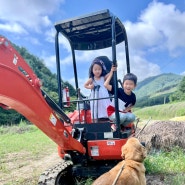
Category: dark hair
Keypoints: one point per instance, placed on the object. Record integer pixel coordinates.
(100, 63)
(130, 76)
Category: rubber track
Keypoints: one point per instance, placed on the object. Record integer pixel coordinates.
(49, 176)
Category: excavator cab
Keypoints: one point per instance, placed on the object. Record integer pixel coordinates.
(94, 31)
(88, 148)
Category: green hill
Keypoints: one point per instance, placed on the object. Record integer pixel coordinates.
(156, 90)
(49, 81)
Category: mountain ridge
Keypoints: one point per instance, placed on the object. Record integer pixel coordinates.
(157, 90)
(166, 82)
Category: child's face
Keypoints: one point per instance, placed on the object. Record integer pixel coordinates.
(97, 70)
(128, 86)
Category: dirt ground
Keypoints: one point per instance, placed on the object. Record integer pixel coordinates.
(162, 135)
(25, 170)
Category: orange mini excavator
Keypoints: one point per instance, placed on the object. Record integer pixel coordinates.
(87, 148)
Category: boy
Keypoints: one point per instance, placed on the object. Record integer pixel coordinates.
(126, 98)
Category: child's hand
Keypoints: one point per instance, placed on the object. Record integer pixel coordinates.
(128, 108)
(113, 68)
(91, 86)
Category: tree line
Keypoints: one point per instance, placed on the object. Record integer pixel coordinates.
(49, 81)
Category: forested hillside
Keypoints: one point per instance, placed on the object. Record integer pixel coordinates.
(48, 78)
(49, 81)
(157, 90)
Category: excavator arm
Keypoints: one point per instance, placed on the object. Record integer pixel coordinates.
(20, 89)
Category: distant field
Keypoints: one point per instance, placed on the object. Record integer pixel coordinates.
(162, 112)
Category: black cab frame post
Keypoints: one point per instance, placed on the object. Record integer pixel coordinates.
(114, 61)
(59, 68)
(75, 68)
(60, 103)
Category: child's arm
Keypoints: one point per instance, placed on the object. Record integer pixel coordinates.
(89, 84)
(106, 76)
(108, 79)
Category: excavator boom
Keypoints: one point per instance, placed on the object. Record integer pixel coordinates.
(21, 90)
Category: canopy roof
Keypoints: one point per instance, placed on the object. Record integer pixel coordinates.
(92, 31)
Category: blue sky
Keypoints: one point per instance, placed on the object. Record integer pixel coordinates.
(155, 31)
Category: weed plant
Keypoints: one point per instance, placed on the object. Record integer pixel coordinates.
(170, 163)
(166, 162)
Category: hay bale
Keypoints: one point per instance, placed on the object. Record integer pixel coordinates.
(163, 135)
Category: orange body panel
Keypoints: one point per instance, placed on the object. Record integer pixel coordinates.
(105, 149)
(85, 116)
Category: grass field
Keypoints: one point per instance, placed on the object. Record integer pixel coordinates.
(23, 148)
(31, 144)
(163, 112)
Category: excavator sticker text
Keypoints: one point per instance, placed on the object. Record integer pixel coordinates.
(94, 151)
(15, 59)
(111, 143)
(53, 119)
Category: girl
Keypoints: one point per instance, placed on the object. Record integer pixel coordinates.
(97, 77)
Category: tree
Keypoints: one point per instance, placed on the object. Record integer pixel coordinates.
(182, 85)
(179, 95)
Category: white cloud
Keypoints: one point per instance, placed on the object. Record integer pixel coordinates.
(170, 22)
(33, 40)
(30, 15)
(143, 68)
(13, 28)
(139, 65)
(160, 26)
(142, 35)
(89, 56)
(183, 73)
(159, 29)
(50, 35)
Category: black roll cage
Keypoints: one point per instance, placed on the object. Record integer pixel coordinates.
(94, 31)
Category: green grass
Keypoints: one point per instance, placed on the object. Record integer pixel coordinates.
(23, 138)
(161, 112)
(29, 142)
(166, 162)
(170, 164)
(18, 146)
(178, 179)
